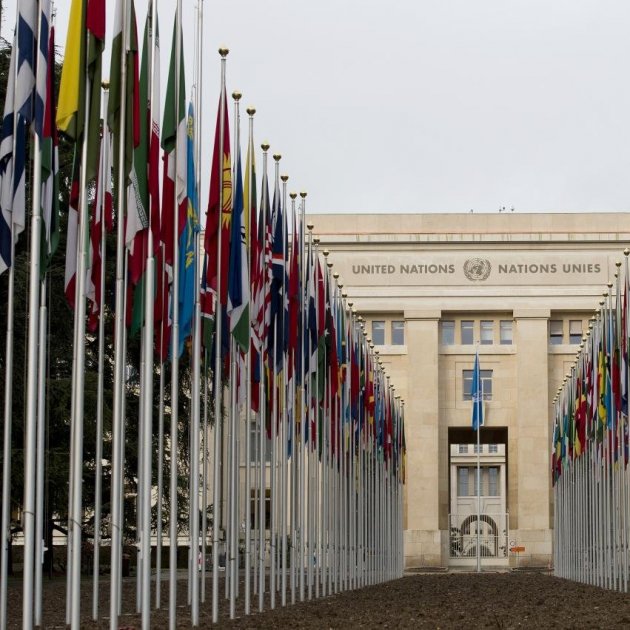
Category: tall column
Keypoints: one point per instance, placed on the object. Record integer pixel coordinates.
(530, 438)
(425, 544)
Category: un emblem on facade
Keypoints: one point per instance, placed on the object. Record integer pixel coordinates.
(477, 269)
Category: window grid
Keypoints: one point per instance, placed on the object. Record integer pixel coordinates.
(487, 332)
(505, 332)
(575, 331)
(556, 332)
(378, 332)
(486, 383)
(398, 333)
(467, 332)
(448, 332)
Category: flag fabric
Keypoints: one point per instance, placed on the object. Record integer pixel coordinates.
(174, 191)
(218, 215)
(238, 281)
(476, 393)
(72, 234)
(188, 249)
(72, 85)
(137, 221)
(41, 77)
(12, 175)
(50, 161)
(278, 285)
(124, 50)
(102, 217)
(174, 138)
(18, 113)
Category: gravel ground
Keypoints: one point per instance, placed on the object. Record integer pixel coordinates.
(453, 600)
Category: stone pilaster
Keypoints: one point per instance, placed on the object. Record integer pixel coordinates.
(530, 441)
(424, 543)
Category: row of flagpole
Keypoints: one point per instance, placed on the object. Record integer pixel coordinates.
(590, 448)
(291, 420)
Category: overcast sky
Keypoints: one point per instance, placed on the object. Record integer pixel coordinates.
(424, 105)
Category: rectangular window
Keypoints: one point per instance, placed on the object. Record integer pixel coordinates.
(398, 333)
(487, 332)
(493, 481)
(505, 328)
(555, 332)
(493, 448)
(486, 383)
(378, 333)
(254, 436)
(462, 481)
(255, 509)
(575, 331)
(463, 449)
(448, 332)
(467, 330)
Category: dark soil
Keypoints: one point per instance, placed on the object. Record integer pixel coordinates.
(455, 600)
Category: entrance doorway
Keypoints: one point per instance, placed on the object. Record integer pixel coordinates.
(478, 524)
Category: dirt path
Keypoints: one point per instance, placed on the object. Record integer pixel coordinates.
(456, 600)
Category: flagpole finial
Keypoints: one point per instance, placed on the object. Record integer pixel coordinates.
(277, 157)
(340, 285)
(284, 178)
(309, 227)
(329, 265)
(349, 303)
(618, 263)
(105, 85)
(292, 195)
(316, 240)
(303, 194)
(265, 146)
(251, 110)
(609, 285)
(626, 252)
(224, 52)
(236, 95)
(326, 253)
(336, 275)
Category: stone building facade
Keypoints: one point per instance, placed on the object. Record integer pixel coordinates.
(436, 288)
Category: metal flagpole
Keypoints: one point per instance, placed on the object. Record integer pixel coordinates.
(173, 507)
(218, 450)
(98, 475)
(146, 424)
(41, 425)
(196, 351)
(302, 497)
(262, 497)
(283, 412)
(160, 472)
(232, 497)
(292, 497)
(30, 436)
(8, 378)
(198, 324)
(248, 447)
(119, 354)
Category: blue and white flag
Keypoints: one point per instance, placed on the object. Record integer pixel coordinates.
(18, 112)
(476, 391)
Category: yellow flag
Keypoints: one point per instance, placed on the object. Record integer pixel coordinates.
(72, 71)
